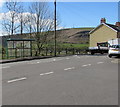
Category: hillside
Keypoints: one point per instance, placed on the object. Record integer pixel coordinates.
(74, 35)
(71, 35)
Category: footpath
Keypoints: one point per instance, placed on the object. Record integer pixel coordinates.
(23, 59)
(32, 58)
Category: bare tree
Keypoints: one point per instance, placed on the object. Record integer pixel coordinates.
(28, 24)
(42, 23)
(11, 17)
(24, 20)
(21, 19)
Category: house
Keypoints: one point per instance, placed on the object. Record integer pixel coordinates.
(103, 33)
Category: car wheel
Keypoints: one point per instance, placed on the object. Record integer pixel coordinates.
(110, 56)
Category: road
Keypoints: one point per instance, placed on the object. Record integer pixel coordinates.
(71, 80)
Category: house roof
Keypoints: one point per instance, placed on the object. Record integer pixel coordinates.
(113, 27)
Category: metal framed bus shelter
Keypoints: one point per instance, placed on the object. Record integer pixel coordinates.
(19, 47)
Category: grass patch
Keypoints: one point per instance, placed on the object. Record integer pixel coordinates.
(68, 45)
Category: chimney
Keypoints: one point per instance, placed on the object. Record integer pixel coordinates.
(117, 24)
(103, 20)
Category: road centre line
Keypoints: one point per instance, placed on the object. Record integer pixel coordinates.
(69, 68)
(46, 73)
(67, 58)
(100, 62)
(86, 65)
(15, 80)
(54, 59)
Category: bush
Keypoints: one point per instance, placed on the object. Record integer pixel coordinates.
(3, 53)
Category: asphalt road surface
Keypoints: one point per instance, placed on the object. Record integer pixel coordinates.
(71, 80)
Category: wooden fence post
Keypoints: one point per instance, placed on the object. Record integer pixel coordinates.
(73, 51)
(66, 51)
(46, 51)
(15, 52)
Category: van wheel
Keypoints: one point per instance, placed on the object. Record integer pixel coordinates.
(110, 56)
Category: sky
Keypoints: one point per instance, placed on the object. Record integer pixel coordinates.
(83, 14)
(87, 14)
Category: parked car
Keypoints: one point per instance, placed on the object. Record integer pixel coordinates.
(114, 50)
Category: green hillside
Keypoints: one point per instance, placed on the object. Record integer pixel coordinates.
(64, 36)
(72, 35)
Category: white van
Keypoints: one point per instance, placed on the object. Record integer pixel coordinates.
(114, 50)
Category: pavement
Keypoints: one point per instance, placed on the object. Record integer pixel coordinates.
(70, 80)
(23, 59)
(31, 58)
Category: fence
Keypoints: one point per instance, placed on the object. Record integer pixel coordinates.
(50, 52)
(60, 51)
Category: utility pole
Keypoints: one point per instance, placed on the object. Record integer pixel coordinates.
(55, 27)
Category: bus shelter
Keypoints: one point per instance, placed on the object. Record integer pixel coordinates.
(19, 47)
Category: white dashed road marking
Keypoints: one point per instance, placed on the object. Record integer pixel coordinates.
(46, 73)
(69, 68)
(54, 59)
(15, 80)
(86, 65)
(100, 62)
(67, 58)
